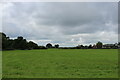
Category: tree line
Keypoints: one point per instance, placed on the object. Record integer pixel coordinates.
(22, 44)
(19, 43)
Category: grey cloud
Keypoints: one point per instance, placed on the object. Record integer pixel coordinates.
(58, 21)
(74, 15)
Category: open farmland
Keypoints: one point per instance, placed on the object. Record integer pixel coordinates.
(60, 63)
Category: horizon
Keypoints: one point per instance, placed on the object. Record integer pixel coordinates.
(59, 44)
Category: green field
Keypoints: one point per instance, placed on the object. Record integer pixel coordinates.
(60, 63)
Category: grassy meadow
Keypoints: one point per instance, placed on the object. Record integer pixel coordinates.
(60, 63)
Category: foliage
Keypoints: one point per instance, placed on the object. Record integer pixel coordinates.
(19, 43)
(49, 45)
(57, 46)
(32, 45)
(99, 45)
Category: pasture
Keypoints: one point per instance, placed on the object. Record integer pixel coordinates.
(60, 63)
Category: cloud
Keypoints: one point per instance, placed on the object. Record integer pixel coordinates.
(57, 22)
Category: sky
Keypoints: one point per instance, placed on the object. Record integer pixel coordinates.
(64, 23)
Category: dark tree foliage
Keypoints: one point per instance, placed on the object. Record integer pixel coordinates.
(119, 45)
(86, 47)
(57, 46)
(81, 47)
(5, 41)
(42, 47)
(90, 46)
(32, 45)
(19, 43)
(49, 45)
(99, 44)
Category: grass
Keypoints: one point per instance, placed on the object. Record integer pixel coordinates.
(61, 63)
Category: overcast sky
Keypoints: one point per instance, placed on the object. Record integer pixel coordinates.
(65, 23)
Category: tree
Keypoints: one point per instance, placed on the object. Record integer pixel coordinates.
(99, 44)
(119, 45)
(80, 47)
(42, 47)
(49, 45)
(90, 46)
(85, 47)
(23, 44)
(1, 35)
(20, 43)
(32, 45)
(57, 46)
(5, 41)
